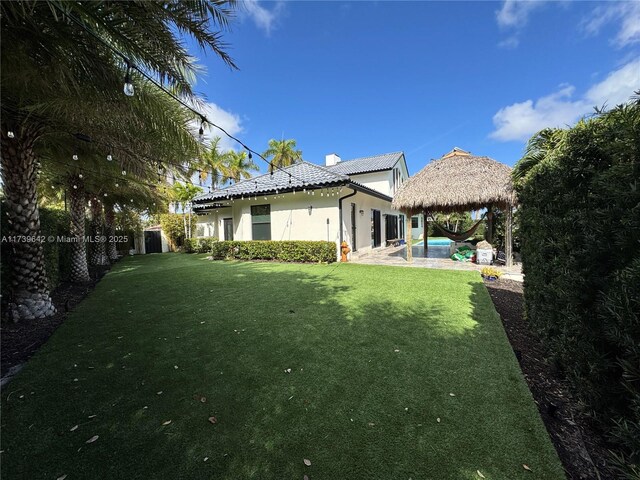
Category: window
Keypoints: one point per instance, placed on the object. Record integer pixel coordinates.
(261, 222)
(414, 222)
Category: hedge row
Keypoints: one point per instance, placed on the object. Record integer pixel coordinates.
(580, 223)
(199, 244)
(283, 251)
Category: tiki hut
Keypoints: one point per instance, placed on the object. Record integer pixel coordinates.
(459, 182)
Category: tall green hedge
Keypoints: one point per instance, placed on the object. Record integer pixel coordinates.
(579, 191)
(53, 222)
(283, 251)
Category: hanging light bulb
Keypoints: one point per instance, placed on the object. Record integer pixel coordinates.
(53, 187)
(128, 86)
(75, 156)
(124, 172)
(250, 156)
(109, 158)
(117, 184)
(201, 131)
(79, 175)
(105, 194)
(75, 187)
(132, 200)
(10, 134)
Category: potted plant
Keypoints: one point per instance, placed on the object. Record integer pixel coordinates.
(490, 273)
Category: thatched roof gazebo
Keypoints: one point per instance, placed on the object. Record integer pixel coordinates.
(458, 182)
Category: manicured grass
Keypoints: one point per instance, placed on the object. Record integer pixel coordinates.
(375, 354)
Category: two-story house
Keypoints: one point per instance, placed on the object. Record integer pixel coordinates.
(339, 201)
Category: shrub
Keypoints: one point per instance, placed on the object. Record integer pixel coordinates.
(580, 225)
(173, 226)
(282, 251)
(199, 244)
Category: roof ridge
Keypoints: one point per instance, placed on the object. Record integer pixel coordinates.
(325, 169)
(373, 156)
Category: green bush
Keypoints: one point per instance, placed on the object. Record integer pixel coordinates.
(199, 244)
(173, 226)
(282, 251)
(57, 255)
(580, 227)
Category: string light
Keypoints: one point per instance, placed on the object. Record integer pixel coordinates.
(128, 86)
(79, 175)
(124, 172)
(201, 131)
(129, 89)
(75, 156)
(109, 157)
(10, 134)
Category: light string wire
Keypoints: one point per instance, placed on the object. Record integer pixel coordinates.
(202, 116)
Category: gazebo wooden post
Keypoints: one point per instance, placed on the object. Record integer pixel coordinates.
(507, 236)
(425, 233)
(489, 235)
(408, 235)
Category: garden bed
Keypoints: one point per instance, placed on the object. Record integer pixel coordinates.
(580, 448)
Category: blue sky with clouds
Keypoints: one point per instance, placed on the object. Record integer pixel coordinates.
(362, 78)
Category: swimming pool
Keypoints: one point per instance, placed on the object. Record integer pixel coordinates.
(434, 242)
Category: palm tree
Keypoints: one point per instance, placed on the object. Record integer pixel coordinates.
(239, 166)
(184, 193)
(282, 153)
(53, 59)
(538, 148)
(212, 163)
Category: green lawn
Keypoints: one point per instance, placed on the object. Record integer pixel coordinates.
(377, 355)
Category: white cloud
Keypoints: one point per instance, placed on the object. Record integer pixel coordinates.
(617, 87)
(515, 13)
(509, 43)
(264, 18)
(521, 120)
(627, 13)
(513, 16)
(227, 120)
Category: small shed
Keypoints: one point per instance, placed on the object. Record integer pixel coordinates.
(459, 182)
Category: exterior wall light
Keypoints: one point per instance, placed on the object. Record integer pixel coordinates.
(361, 212)
(310, 209)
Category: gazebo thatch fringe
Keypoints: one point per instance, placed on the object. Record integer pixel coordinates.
(458, 182)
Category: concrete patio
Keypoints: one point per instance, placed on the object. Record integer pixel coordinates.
(437, 257)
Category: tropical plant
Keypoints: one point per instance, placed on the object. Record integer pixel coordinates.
(56, 57)
(184, 193)
(239, 166)
(211, 164)
(282, 153)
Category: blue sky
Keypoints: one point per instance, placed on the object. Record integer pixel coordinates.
(362, 78)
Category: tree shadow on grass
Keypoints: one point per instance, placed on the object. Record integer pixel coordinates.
(371, 370)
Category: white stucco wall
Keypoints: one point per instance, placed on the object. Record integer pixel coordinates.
(380, 181)
(365, 203)
(291, 220)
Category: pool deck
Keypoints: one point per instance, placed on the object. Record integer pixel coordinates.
(437, 257)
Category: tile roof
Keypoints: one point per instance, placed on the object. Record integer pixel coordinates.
(374, 163)
(300, 175)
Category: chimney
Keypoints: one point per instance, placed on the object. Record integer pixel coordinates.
(332, 159)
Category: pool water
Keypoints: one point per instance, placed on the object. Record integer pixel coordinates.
(436, 242)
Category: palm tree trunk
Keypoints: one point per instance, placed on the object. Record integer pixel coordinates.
(29, 285)
(79, 266)
(98, 252)
(110, 224)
